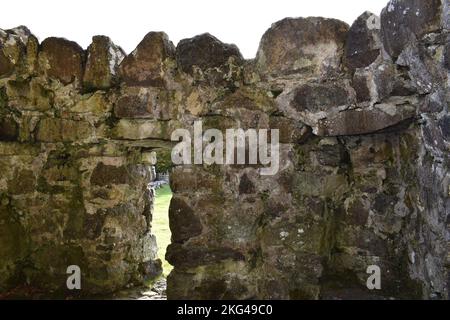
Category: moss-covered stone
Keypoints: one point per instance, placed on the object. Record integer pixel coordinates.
(146, 65)
(62, 59)
(106, 174)
(23, 182)
(9, 129)
(63, 130)
(183, 221)
(103, 59)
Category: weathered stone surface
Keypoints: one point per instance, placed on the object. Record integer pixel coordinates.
(185, 179)
(145, 66)
(12, 49)
(375, 83)
(14, 244)
(106, 174)
(3, 99)
(362, 86)
(246, 186)
(210, 286)
(363, 43)
(313, 101)
(404, 21)
(151, 269)
(444, 124)
(18, 50)
(6, 66)
(62, 59)
(23, 182)
(149, 103)
(20, 32)
(321, 97)
(29, 95)
(32, 55)
(434, 102)
(62, 130)
(290, 130)
(9, 130)
(96, 104)
(191, 257)
(310, 46)
(426, 77)
(103, 59)
(138, 129)
(183, 221)
(204, 51)
(447, 55)
(356, 122)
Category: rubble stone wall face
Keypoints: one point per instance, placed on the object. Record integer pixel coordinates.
(364, 160)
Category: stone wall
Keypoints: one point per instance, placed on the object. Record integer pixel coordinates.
(363, 180)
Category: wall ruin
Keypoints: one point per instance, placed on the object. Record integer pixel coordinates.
(364, 132)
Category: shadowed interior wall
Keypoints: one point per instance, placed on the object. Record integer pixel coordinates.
(363, 180)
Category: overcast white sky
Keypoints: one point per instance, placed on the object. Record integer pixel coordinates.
(127, 21)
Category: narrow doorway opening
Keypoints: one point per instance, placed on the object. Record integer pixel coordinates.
(162, 195)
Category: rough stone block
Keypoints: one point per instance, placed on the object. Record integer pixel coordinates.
(107, 174)
(145, 65)
(62, 59)
(355, 122)
(9, 129)
(184, 222)
(204, 51)
(151, 103)
(404, 21)
(321, 97)
(309, 46)
(363, 43)
(191, 257)
(62, 130)
(103, 59)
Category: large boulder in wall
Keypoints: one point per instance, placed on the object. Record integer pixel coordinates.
(308, 46)
(405, 21)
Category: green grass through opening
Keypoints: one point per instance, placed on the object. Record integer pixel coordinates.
(160, 224)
